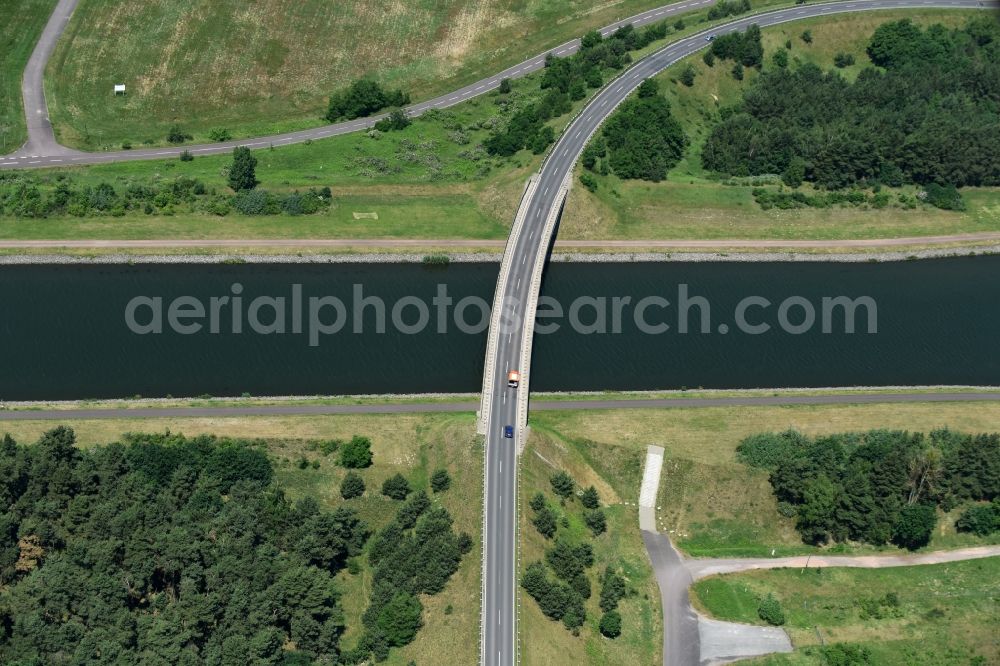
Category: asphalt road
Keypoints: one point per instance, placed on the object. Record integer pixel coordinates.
(42, 149)
(73, 414)
(462, 243)
(41, 140)
(500, 533)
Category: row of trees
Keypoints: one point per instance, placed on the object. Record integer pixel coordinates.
(925, 115)
(878, 487)
(564, 81)
(417, 553)
(563, 598)
(162, 549)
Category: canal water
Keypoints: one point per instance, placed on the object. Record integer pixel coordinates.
(94, 331)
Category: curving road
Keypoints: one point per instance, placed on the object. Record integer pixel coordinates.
(43, 150)
(518, 288)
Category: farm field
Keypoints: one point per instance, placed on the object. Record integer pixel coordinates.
(271, 66)
(930, 614)
(22, 23)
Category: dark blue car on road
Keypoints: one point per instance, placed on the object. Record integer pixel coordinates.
(508, 432)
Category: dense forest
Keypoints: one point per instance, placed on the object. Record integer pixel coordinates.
(165, 550)
(880, 486)
(926, 113)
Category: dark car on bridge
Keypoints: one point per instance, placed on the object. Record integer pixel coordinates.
(508, 432)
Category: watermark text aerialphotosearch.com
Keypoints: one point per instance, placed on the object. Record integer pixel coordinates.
(317, 317)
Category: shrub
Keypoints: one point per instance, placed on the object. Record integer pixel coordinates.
(945, 197)
(780, 58)
(504, 87)
(440, 481)
(396, 120)
(612, 590)
(738, 72)
(251, 202)
(562, 484)
(687, 75)
(352, 486)
(356, 453)
(363, 98)
(983, 519)
(842, 60)
(846, 654)
(769, 610)
(590, 498)
(545, 522)
(537, 502)
(595, 521)
(176, 135)
(611, 624)
(243, 170)
(768, 450)
(588, 181)
(219, 134)
(396, 487)
(807, 36)
(708, 58)
(186, 156)
(914, 526)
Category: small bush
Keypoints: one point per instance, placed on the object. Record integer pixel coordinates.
(352, 486)
(562, 484)
(440, 481)
(611, 624)
(176, 135)
(396, 487)
(186, 156)
(842, 60)
(220, 134)
(356, 453)
(769, 610)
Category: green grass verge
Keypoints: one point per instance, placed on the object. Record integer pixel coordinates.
(946, 613)
(23, 21)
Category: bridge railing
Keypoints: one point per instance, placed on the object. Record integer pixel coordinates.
(489, 367)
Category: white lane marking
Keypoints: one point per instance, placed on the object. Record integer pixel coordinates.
(56, 160)
(518, 286)
(523, 258)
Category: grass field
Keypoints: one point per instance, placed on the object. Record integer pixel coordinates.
(412, 445)
(22, 23)
(690, 205)
(711, 505)
(271, 66)
(946, 613)
(544, 641)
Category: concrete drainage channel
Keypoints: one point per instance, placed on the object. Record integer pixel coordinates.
(689, 638)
